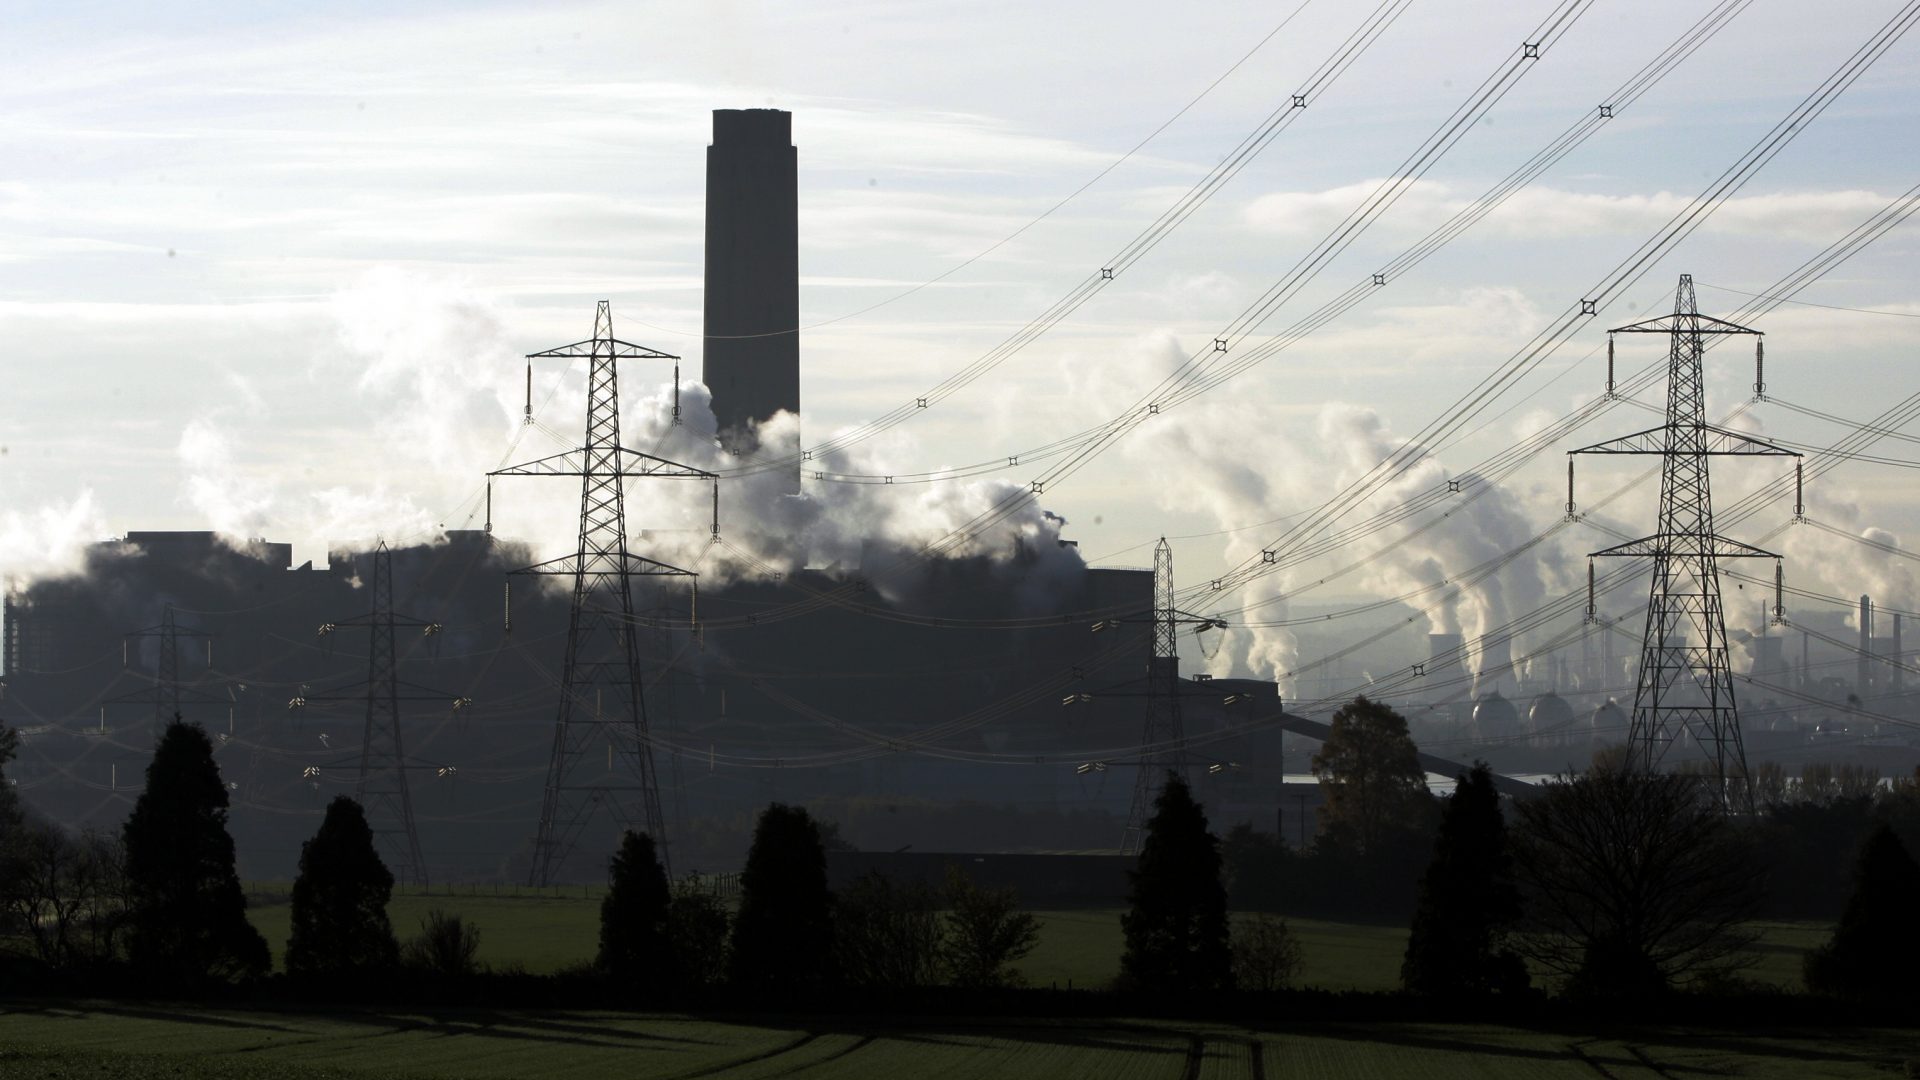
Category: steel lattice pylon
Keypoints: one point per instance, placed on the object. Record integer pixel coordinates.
(380, 782)
(1685, 689)
(1163, 742)
(601, 699)
(166, 694)
(382, 785)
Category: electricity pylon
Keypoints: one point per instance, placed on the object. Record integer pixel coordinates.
(166, 693)
(381, 782)
(1164, 738)
(601, 699)
(1685, 688)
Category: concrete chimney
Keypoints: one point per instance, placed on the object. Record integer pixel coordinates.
(751, 360)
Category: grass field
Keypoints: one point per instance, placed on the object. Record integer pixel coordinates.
(546, 932)
(97, 1039)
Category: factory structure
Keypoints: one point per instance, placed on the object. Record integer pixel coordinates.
(973, 708)
(947, 710)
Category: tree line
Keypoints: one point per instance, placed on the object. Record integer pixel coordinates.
(1609, 884)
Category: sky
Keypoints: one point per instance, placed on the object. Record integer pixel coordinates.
(270, 268)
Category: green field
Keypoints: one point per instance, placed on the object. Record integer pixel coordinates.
(544, 932)
(98, 1039)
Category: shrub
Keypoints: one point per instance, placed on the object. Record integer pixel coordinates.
(1266, 955)
(446, 945)
(986, 933)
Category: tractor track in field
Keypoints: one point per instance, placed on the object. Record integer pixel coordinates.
(1196, 1054)
(1641, 1056)
(838, 1055)
(1574, 1049)
(725, 1066)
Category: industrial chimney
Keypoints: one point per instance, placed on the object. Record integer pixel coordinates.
(751, 360)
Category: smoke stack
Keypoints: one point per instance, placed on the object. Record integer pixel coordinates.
(751, 360)
(1496, 663)
(1864, 673)
(1899, 683)
(1446, 658)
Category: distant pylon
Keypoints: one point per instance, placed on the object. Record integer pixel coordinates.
(1685, 688)
(1164, 738)
(601, 699)
(166, 693)
(381, 784)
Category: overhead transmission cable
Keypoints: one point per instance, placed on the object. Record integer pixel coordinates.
(1625, 273)
(1377, 22)
(1389, 191)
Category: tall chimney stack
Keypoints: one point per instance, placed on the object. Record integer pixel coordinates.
(751, 360)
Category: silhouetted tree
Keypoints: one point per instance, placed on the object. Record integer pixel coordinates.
(1468, 901)
(446, 945)
(986, 932)
(783, 932)
(1371, 775)
(1258, 868)
(633, 915)
(887, 934)
(697, 926)
(67, 893)
(1875, 950)
(188, 917)
(340, 899)
(1632, 883)
(1266, 954)
(18, 843)
(1176, 928)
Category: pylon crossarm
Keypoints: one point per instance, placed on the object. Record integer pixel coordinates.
(626, 463)
(638, 565)
(1720, 442)
(359, 693)
(1181, 618)
(622, 350)
(178, 631)
(1668, 324)
(187, 695)
(362, 622)
(352, 759)
(1719, 547)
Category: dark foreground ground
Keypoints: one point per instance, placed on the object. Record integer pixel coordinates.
(119, 1039)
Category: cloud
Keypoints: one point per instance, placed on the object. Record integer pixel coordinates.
(1546, 212)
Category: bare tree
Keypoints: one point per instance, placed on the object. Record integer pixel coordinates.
(1266, 954)
(1633, 883)
(66, 893)
(987, 934)
(888, 934)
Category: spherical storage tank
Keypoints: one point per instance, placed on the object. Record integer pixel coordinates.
(1551, 718)
(1610, 720)
(1494, 717)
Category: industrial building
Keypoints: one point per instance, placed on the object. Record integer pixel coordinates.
(950, 713)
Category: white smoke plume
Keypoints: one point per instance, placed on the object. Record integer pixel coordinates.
(50, 541)
(1822, 562)
(1477, 530)
(1266, 472)
(431, 365)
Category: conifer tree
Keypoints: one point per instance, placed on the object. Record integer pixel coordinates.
(1176, 928)
(1468, 901)
(1876, 948)
(783, 934)
(188, 915)
(340, 899)
(633, 916)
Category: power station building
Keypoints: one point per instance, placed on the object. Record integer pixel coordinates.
(947, 713)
